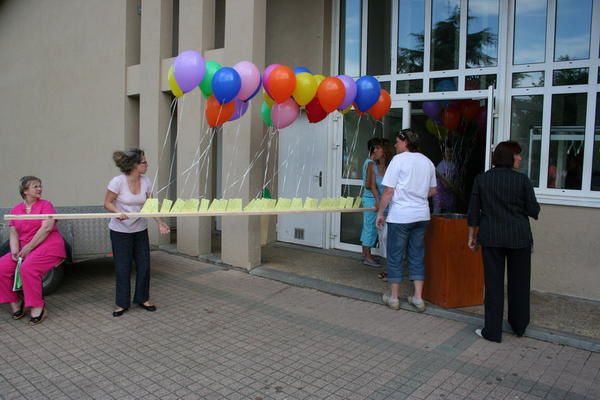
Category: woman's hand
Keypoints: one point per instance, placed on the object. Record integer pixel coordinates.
(122, 217)
(24, 251)
(163, 228)
(472, 243)
(380, 221)
(15, 256)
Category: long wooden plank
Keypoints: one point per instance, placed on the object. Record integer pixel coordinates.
(12, 217)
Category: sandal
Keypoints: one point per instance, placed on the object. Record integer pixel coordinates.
(148, 307)
(39, 318)
(20, 313)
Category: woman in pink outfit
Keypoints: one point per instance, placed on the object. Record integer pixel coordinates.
(39, 244)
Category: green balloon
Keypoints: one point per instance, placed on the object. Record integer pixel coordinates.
(206, 84)
(265, 111)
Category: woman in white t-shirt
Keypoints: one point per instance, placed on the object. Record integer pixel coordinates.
(409, 181)
(127, 193)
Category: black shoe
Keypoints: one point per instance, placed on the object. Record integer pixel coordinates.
(20, 313)
(120, 312)
(150, 307)
(39, 318)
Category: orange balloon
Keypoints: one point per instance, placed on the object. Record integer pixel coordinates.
(451, 118)
(331, 93)
(281, 83)
(217, 113)
(470, 109)
(382, 106)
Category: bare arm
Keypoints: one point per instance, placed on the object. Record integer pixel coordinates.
(385, 200)
(14, 243)
(38, 238)
(472, 241)
(371, 183)
(432, 191)
(109, 205)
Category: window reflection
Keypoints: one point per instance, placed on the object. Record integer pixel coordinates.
(379, 37)
(596, 159)
(573, 28)
(445, 33)
(480, 82)
(567, 141)
(530, 31)
(411, 36)
(350, 34)
(572, 76)
(528, 79)
(526, 128)
(409, 86)
(482, 33)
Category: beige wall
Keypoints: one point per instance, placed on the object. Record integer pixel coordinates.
(63, 96)
(566, 256)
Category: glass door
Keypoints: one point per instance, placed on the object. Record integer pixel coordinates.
(351, 153)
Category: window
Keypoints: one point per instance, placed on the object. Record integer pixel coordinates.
(596, 157)
(530, 31)
(379, 39)
(482, 33)
(573, 29)
(526, 129)
(445, 34)
(350, 37)
(411, 36)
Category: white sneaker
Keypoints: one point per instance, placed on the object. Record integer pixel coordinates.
(478, 333)
(393, 303)
(419, 306)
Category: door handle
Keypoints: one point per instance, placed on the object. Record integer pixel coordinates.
(320, 176)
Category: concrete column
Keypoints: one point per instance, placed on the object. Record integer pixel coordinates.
(155, 44)
(196, 32)
(245, 32)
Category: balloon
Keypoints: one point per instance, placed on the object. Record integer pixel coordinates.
(284, 114)
(299, 70)
(281, 83)
(250, 77)
(438, 130)
(189, 69)
(240, 109)
(382, 106)
(306, 88)
(173, 84)
(482, 119)
(265, 76)
(257, 89)
(357, 110)
(350, 87)
(314, 111)
(206, 84)
(470, 109)
(268, 99)
(331, 93)
(433, 109)
(367, 92)
(346, 110)
(265, 112)
(217, 113)
(319, 78)
(445, 85)
(451, 118)
(226, 84)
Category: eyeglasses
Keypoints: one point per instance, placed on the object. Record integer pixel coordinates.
(401, 136)
(143, 162)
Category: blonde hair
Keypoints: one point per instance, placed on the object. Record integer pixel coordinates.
(25, 182)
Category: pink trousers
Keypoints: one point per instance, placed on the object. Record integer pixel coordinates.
(33, 269)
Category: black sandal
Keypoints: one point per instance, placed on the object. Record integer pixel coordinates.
(118, 313)
(39, 318)
(20, 313)
(150, 307)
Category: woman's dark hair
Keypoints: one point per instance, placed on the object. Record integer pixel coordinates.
(388, 151)
(410, 137)
(25, 182)
(127, 160)
(504, 154)
(372, 143)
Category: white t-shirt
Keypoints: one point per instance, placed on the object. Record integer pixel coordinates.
(129, 202)
(411, 175)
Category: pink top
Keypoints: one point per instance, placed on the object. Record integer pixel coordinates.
(129, 202)
(53, 245)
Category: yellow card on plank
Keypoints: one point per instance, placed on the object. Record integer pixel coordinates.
(204, 204)
(283, 204)
(269, 204)
(326, 203)
(251, 206)
(341, 202)
(178, 206)
(296, 204)
(310, 203)
(191, 205)
(166, 205)
(214, 205)
(357, 202)
(349, 202)
(150, 206)
(234, 205)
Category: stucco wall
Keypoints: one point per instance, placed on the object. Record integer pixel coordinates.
(566, 257)
(63, 96)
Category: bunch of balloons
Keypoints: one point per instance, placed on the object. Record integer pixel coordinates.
(228, 90)
(449, 117)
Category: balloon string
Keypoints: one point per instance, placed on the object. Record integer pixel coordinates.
(312, 157)
(172, 108)
(350, 155)
(180, 113)
(289, 156)
(271, 132)
(235, 152)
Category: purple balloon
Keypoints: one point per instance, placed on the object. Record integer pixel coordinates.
(250, 76)
(284, 114)
(189, 69)
(240, 109)
(256, 91)
(265, 76)
(432, 109)
(350, 86)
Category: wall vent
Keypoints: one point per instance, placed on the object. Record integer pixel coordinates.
(299, 233)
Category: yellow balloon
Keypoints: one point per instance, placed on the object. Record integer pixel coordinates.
(319, 78)
(435, 129)
(268, 99)
(347, 109)
(173, 84)
(306, 88)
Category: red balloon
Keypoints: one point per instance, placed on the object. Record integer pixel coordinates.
(382, 106)
(451, 118)
(470, 109)
(217, 113)
(331, 93)
(281, 83)
(314, 111)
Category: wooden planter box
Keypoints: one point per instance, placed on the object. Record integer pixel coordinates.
(453, 273)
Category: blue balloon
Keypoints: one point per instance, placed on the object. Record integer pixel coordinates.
(226, 84)
(368, 90)
(298, 70)
(445, 85)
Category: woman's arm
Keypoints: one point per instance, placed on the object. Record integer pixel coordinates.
(109, 205)
(371, 183)
(472, 241)
(38, 238)
(14, 243)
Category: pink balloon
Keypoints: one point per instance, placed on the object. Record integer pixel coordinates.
(250, 76)
(350, 86)
(266, 74)
(284, 114)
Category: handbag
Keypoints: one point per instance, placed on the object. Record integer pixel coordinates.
(17, 283)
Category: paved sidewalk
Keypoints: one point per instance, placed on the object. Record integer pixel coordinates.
(225, 334)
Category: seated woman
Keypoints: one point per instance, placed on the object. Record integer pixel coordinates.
(40, 247)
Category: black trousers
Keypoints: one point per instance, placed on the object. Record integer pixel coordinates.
(518, 266)
(128, 247)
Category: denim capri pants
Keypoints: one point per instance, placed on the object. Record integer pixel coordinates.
(406, 239)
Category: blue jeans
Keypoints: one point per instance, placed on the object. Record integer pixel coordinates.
(128, 247)
(402, 239)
